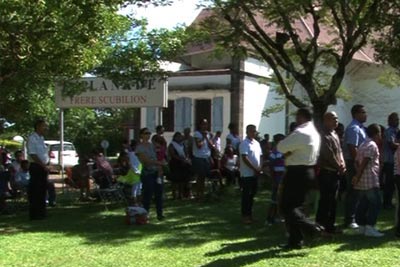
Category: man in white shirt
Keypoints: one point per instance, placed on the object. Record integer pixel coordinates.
(301, 149)
(250, 169)
(39, 158)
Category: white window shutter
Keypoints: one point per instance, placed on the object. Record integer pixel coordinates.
(179, 113)
(183, 113)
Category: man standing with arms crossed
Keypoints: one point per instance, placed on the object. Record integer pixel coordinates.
(301, 149)
(250, 169)
(38, 170)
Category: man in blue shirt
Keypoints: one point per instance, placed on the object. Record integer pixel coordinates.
(389, 147)
(354, 136)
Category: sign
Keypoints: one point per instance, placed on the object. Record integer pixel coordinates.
(105, 144)
(102, 93)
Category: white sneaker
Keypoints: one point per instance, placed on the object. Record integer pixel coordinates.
(353, 225)
(361, 229)
(371, 231)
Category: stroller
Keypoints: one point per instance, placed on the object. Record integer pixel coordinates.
(107, 189)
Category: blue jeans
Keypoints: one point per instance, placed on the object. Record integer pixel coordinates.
(368, 207)
(150, 187)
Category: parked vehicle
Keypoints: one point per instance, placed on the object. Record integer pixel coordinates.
(70, 157)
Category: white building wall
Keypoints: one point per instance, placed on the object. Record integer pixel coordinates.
(342, 108)
(257, 97)
(379, 101)
(257, 67)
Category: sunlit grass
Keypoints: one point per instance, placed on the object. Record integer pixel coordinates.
(194, 234)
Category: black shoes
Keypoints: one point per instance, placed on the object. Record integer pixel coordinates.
(291, 246)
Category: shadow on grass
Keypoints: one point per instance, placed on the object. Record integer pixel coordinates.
(254, 257)
(188, 224)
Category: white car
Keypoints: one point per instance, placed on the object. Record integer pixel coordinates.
(70, 157)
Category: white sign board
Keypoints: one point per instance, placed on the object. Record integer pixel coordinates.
(102, 93)
(105, 144)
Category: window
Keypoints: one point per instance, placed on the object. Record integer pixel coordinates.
(202, 111)
(168, 115)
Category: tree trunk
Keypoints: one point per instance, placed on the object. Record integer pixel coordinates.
(319, 109)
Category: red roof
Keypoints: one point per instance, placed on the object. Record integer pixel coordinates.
(303, 26)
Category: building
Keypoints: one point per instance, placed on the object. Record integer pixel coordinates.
(228, 90)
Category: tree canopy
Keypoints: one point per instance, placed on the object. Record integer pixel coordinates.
(47, 40)
(315, 56)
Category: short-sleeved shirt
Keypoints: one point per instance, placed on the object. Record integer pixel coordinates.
(36, 146)
(203, 152)
(390, 137)
(370, 177)
(235, 140)
(303, 144)
(22, 178)
(150, 152)
(277, 161)
(354, 135)
(252, 149)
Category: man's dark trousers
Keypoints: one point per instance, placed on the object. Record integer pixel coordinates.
(296, 184)
(37, 191)
(249, 190)
(328, 188)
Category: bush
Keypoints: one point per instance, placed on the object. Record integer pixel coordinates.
(10, 145)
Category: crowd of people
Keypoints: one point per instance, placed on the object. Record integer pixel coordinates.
(361, 163)
(357, 162)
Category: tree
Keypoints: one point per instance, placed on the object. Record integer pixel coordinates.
(44, 41)
(268, 30)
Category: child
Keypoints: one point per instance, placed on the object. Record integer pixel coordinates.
(216, 140)
(366, 182)
(136, 167)
(130, 170)
(21, 178)
(161, 151)
(277, 166)
(230, 166)
(80, 176)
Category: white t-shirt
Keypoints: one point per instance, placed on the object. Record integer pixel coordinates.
(36, 146)
(231, 163)
(217, 143)
(204, 151)
(252, 149)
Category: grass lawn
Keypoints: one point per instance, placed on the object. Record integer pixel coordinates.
(194, 234)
